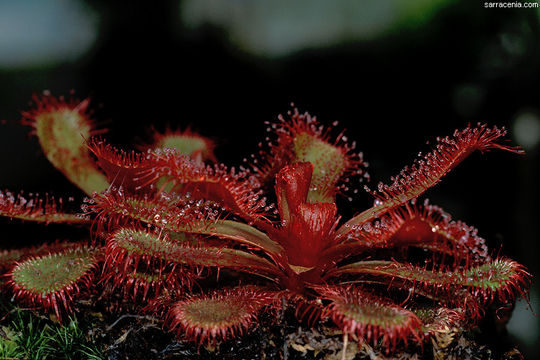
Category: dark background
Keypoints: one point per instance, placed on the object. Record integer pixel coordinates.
(392, 92)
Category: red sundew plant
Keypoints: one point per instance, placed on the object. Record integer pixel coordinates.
(397, 272)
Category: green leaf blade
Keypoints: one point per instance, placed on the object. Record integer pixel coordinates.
(370, 317)
(62, 128)
(52, 281)
(223, 315)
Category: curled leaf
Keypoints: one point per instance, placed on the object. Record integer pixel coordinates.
(437, 319)
(237, 192)
(427, 227)
(122, 168)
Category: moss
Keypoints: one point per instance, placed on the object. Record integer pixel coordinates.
(24, 335)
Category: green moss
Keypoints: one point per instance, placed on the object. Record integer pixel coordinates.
(24, 335)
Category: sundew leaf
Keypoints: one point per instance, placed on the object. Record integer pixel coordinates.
(139, 262)
(132, 246)
(501, 278)
(39, 209)
(423, 174)
(427, 227)
(220, 316)
(370, 317)
(8, 258)
(122, 168)
(147, 285)
(184, 142)
(302, 139)
(180, 215)
(52, 281)
(167, 169)
(329, 164)
(239, 232)
(62, 127)
(238, 192)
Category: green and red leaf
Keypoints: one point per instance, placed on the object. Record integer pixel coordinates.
(128, 248)
(184, 142)
(223, 315)
(425, 173)
(62, 127)
(369, 317)
(53, 281)
(179, 214)
(39, 209)
(501, 278)
(302, 139)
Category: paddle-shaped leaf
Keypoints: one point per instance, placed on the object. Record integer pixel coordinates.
(53, 281)
(185, 142)
(302, 139)
(128, 247)
(222, 315)
(62, 127)
(369, 317)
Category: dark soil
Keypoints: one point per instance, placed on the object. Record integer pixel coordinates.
(138, 337)
(128, 335)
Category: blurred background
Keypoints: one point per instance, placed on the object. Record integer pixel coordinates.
(394, 73)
